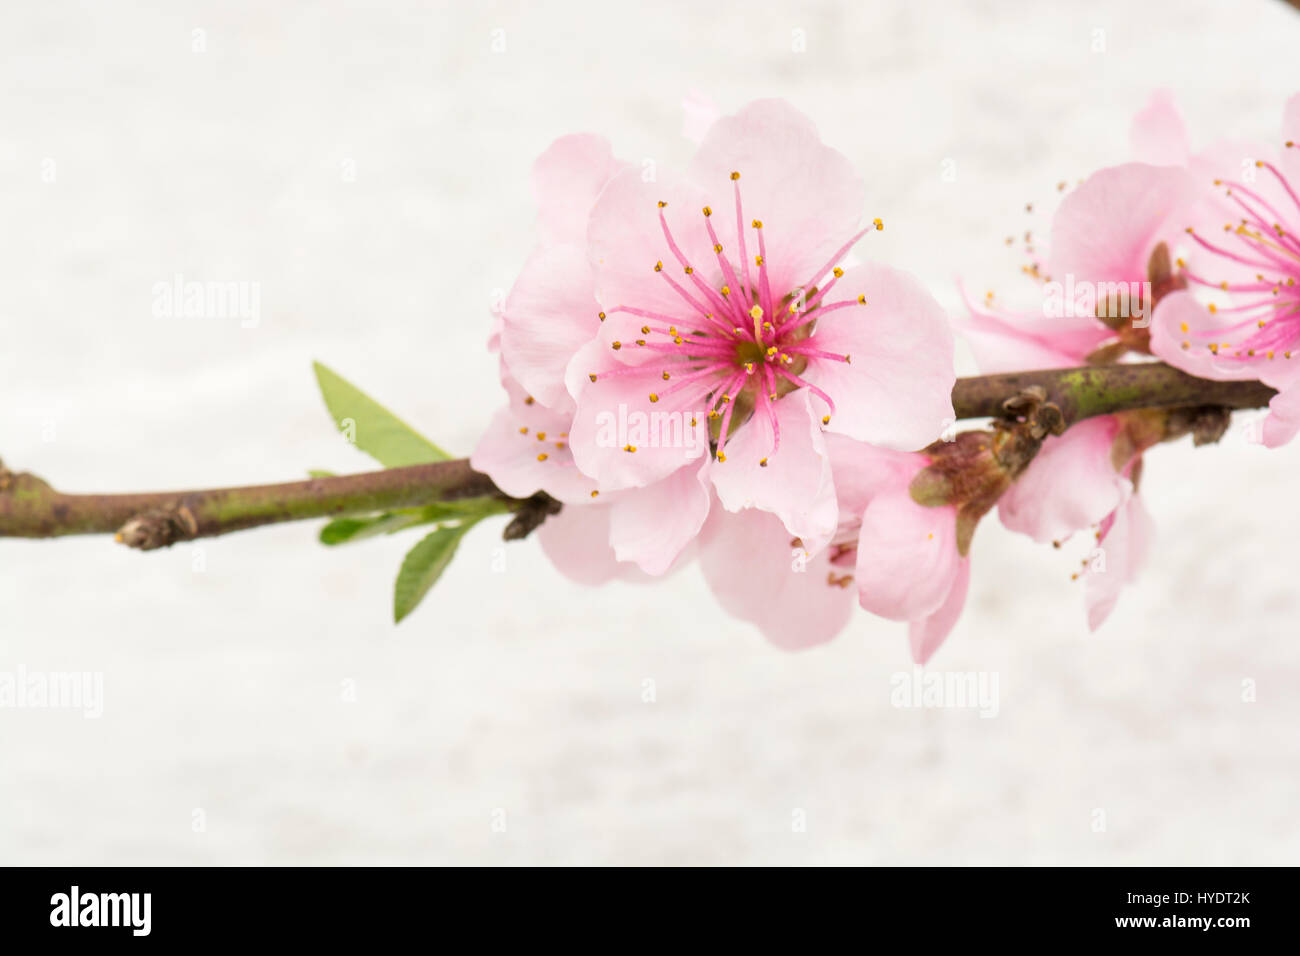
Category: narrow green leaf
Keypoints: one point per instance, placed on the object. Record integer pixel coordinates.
(423, 566)
(371, 427)
(343, 530)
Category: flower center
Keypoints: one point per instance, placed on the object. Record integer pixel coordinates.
(739, 347)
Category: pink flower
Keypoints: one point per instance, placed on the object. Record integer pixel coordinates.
(1252, 332)
(750, 327)
(1123, 540)
(682, 350)
(1105, 246)
(909, 561)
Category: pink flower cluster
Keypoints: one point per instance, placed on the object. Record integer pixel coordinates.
(702, 369)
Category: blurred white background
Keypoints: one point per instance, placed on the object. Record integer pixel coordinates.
(517, 691)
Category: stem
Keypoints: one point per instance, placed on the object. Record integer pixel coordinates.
(30, 508)
(1104, 389)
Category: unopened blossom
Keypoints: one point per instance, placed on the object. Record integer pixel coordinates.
(1240, 316)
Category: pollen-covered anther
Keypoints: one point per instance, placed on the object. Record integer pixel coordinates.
(725, 290)
(878, 223)
(629, 448)
(757, 224)
(862, 300)
(734, 176)
(762, 463)
(837, 272)
(688, 269)
(523, 430)
(756, 312)
(666, 376)
(616, 345)
(708, 211)
(654, 397)
(659, 266)
(662, 204)
(541, 436)
(722, 456)
(595, 493)
(826, 419)
(592, 376)
(542, 456)
(601, 315)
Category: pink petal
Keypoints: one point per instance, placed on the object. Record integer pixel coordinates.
(567, 178)
(927, 634)
(577, 542)
(1157, 134)
(1124, 546)
(510, 457)
(1005, 341)
(615, 412)
(699, 113)
(550, 313)
(795, 485)
(1070, 485)
(809, 196)
(1283, 419)
(652, 526)
(897, 389)
(1180, 319)
(625, 239)
(863, 471)
(758, 575)
(1104, 231)
(907, 557)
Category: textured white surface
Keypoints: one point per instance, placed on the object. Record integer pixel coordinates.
(517, 690)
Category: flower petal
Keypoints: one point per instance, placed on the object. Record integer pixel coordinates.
(1157, 134)
(525, 450)
(927, 634)
(1124, 545)
(897, 389)
(567, 178)
(757, 575)
(615, 413)
(652, 526)
(795, 484)
(577, 542)
(907, 557)
(1104, 231)
(550, 313)
(1070, 485)
(1283, 419)
(809, 196)
(1183, 331)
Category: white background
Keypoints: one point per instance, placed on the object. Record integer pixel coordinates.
(517, 690)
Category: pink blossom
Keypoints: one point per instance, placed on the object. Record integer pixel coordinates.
(1248, 327)
(726, 347)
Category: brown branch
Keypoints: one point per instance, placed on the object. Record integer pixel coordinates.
(30, 508)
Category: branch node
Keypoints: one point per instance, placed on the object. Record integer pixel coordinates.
(529, 516)
(160, 528)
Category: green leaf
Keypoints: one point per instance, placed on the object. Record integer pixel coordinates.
(343, 530)
(373, 428)
(319, 473)
(422, 567)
